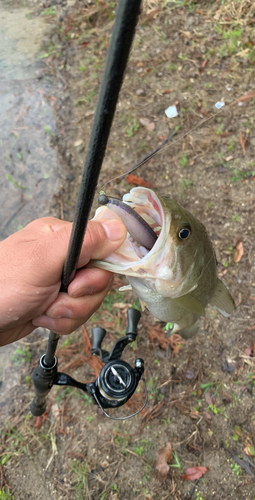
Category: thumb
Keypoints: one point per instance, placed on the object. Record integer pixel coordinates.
(101, 239)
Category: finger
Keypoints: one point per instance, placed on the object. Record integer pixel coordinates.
(75, 314)
(89, 282)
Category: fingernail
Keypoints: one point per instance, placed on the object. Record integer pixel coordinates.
(81, 291)
(59, 312)
(44, 321)
(114, 229)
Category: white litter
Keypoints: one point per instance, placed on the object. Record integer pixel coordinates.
(171, 112)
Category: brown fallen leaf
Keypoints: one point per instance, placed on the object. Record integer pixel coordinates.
(82, 45)
(167, 91)
(209, 398)
(163, 456)
(139, 181)
(40, 420)
(193, 473)
(239, 252)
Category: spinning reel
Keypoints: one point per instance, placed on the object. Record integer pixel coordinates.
(116, 382)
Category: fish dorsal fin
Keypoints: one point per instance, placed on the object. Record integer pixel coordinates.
(222, 300)
(191, 304)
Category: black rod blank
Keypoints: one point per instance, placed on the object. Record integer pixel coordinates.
(116, 61)
(117, 57)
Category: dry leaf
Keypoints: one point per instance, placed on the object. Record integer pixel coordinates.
(193, 473)
(139, 181)
(40, 420)
(163, 456)
(247, 351)
(207, 415)
(147, 124)
(151, 126)
(209, 398)
(82, 45)
(239, 252)
(167, 91)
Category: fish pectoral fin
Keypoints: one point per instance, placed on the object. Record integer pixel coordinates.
(191, 304)
(222, 300)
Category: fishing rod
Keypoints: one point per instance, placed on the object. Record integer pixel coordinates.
(117, 380)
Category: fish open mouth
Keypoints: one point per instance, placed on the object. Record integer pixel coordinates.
(136, 249)
(146, 204)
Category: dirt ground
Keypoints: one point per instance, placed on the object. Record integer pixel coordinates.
(192, 55)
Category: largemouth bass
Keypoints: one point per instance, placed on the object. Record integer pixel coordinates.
(172, 272)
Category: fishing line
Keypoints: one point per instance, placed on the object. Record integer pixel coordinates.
(164, 145)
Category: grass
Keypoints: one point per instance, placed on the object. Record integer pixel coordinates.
(236, 469)
(48, 130)
(51, 11)
(185, 184)
(110, 299)
(183, 160)
(138, 450)
(79, 480)
(6, 495)
(85, 99)
(21, 356)
(133, 128)
(177, 463)
(236, 218)
(13, 181)
(233, 43)
(240, 175)
(15, 446)
(168, 326)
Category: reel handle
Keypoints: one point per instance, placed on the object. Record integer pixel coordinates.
(98, 335)
(133, 317)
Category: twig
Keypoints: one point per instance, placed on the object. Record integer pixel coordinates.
(190, 494)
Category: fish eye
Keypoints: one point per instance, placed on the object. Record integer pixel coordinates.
(184, 233)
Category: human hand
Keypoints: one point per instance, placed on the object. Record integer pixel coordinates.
(32, 262)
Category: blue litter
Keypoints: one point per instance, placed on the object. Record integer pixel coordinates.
(219, 105)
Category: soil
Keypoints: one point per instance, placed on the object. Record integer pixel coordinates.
(191, 55)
